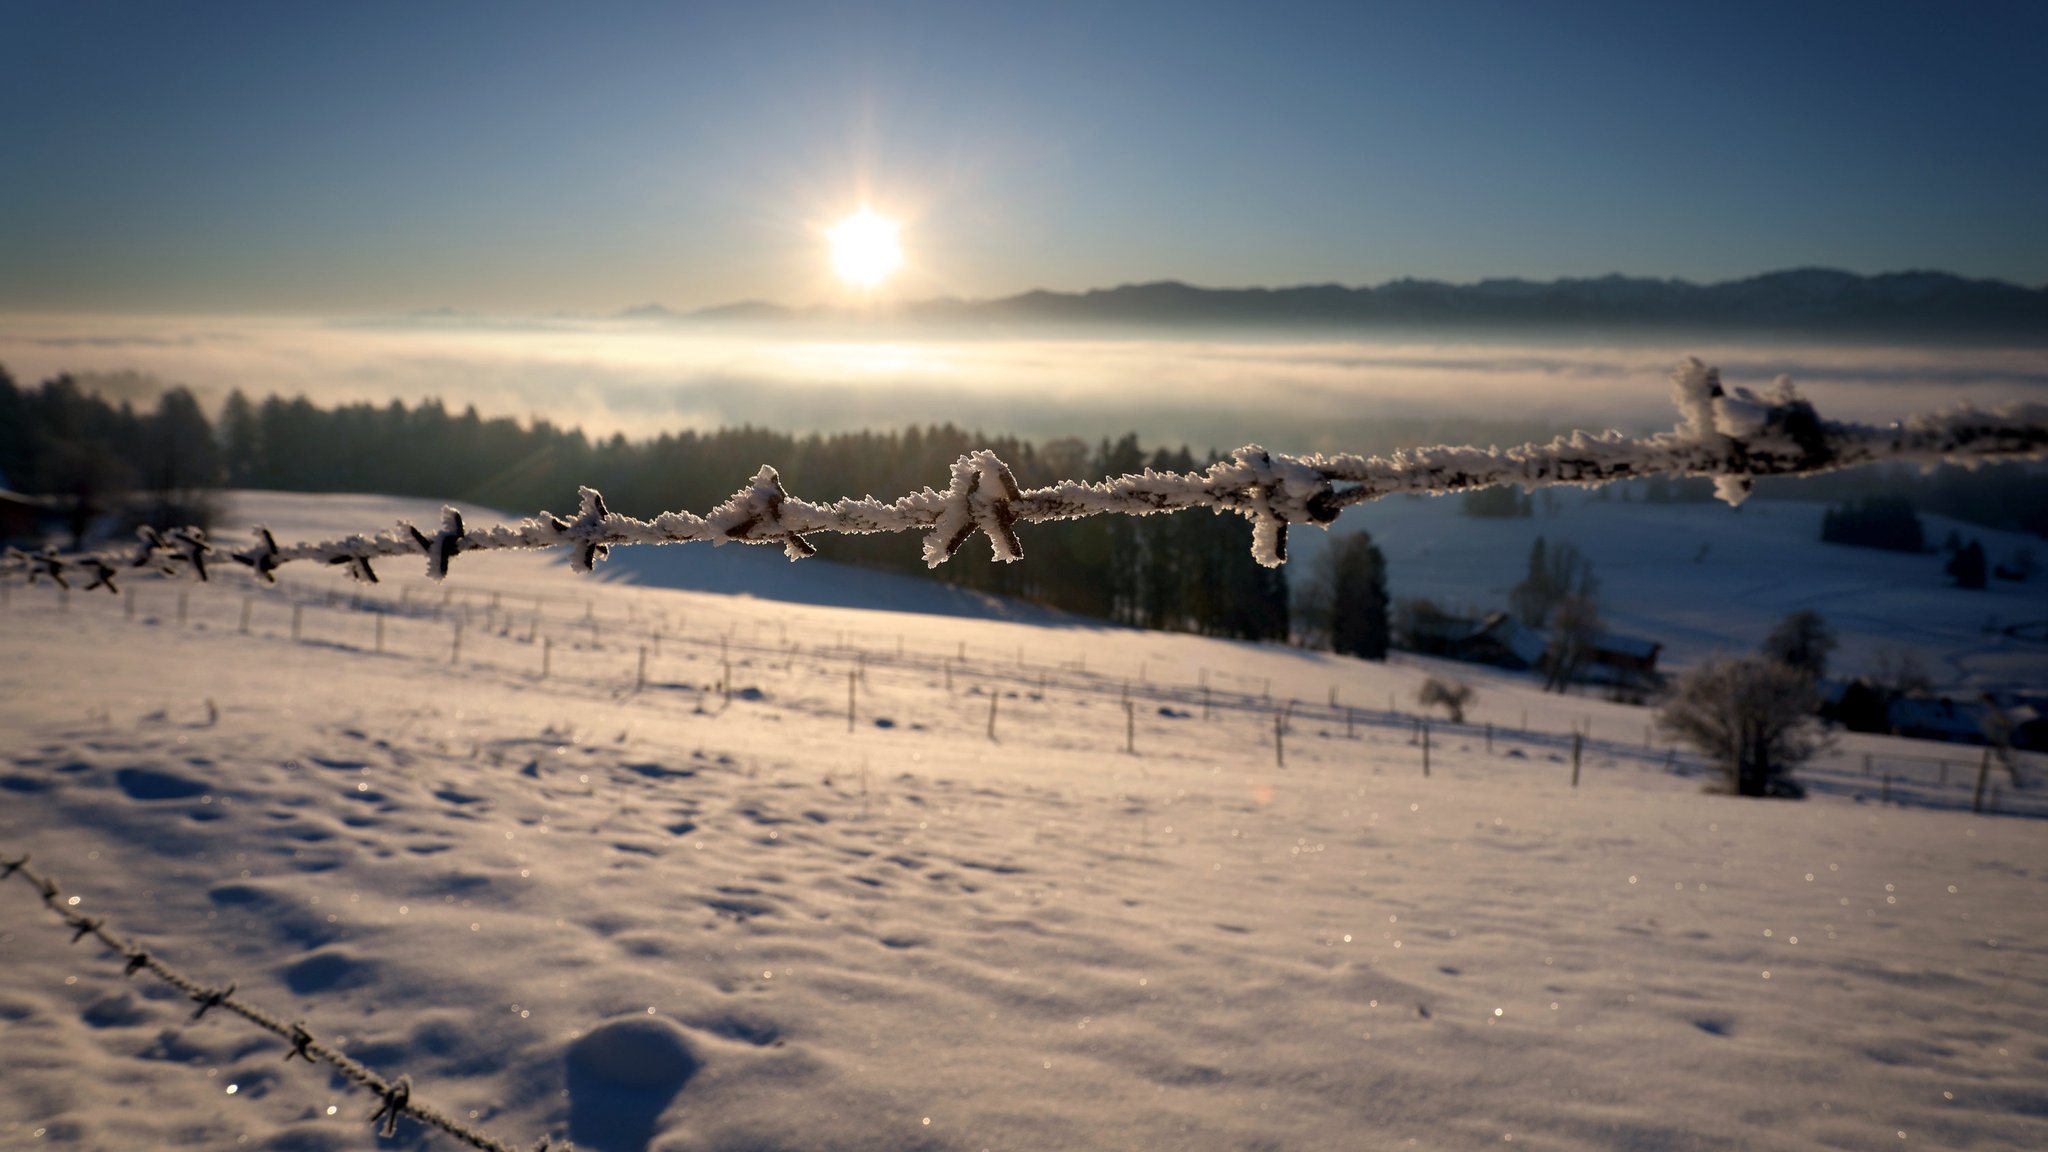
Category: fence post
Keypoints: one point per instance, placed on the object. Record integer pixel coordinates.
(1130, 728)
(455, 648)
(852, 681)
(1350, 722)
(547, 655)
(1489, 736)
(640, 676)
(993, 695)
(1425, 748)
(1578, 745)
(1866, 763)
(1983, 774)
(1279, 740)
(1205, 701)
(949, 674)
(727, 682)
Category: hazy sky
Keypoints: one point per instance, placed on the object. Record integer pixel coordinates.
(365, 157)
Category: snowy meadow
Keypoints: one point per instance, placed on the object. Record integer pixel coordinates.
(633, 865)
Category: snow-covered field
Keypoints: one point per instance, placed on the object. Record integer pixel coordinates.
(1701, 578)
(654, 912)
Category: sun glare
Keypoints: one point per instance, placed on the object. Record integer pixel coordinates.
(864, 249)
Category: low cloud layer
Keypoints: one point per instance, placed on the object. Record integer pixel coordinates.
(1291, 394)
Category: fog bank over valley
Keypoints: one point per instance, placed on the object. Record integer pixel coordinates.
(1291, 393)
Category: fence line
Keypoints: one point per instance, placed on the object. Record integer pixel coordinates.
(1731, 436)
(394, 1096)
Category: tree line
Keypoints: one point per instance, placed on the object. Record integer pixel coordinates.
(1183, 572)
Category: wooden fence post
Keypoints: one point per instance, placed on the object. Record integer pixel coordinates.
(1578, 745)
(1425, 749)
(1983, 774)
(993, 695)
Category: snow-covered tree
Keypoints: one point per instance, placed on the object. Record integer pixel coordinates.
(1752, 716)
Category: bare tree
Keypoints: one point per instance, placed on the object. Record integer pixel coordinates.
(1750, 715)
(1452, 696)
(1571, 642)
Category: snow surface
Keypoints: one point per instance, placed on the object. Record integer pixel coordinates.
(656, 918)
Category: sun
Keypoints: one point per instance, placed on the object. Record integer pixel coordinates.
(865, 249)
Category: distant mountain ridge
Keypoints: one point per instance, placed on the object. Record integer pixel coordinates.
(1800, 299)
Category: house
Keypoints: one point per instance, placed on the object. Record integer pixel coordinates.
(1504, 642)
(1939, 718)
(1628, 657)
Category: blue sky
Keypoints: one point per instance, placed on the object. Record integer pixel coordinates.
(368, 157)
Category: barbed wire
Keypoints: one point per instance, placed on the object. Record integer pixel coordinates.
(1732, 436)
(394, 1096)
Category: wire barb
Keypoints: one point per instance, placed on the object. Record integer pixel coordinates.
(397, 1098)
(210, 998)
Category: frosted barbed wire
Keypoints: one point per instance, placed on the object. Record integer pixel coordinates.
(394, 1096)
(1732, 436)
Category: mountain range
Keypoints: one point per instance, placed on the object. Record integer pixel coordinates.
(1917, 303)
